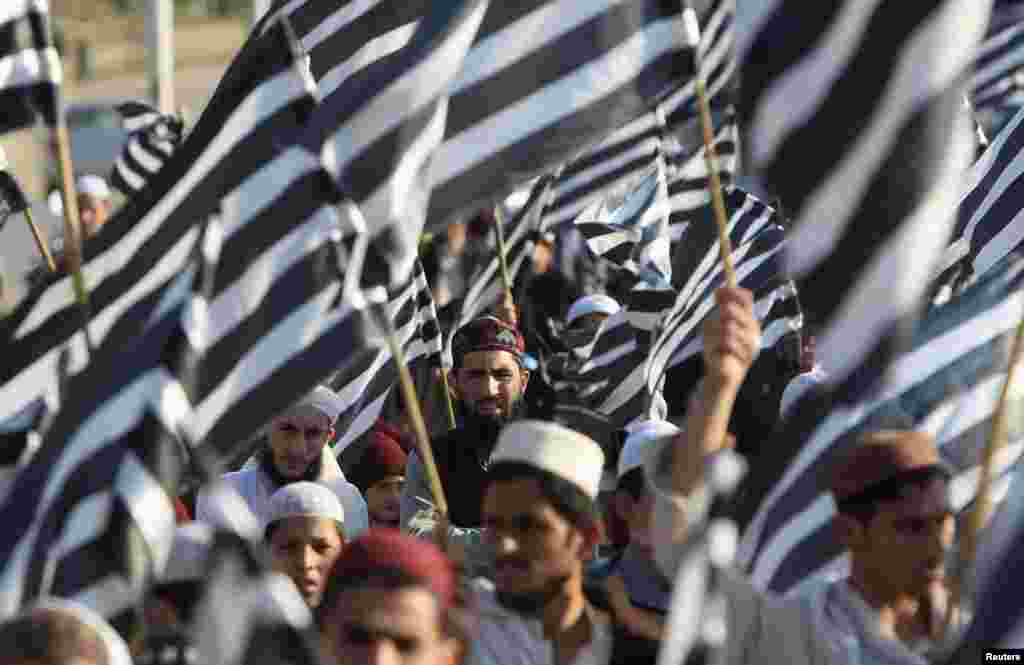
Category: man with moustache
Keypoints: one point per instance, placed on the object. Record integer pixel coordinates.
(490, 380)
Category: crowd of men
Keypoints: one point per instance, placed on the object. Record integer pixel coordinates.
(549, 553)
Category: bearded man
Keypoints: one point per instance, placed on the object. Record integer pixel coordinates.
(490, 381)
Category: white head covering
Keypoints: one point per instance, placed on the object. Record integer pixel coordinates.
(598, 303)
(795, 389)
(555, 449)
(304, 499)
(93, 185)
(638, 443)
(117, 650)
(188, 553)
(324, 400)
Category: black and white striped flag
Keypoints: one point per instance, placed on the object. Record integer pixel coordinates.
(997, 84)
(152, 139)
(262, 99)
(854, 118)
(988, 225)
(948, 384)
(30, 69)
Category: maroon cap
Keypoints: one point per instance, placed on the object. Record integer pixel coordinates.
(880, 456)
(381, 549)
(383, 457)
(487, 333)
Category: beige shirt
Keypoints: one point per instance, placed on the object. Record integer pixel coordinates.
(507, 638)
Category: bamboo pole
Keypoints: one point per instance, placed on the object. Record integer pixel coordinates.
(448, 398)
(982, 508)
(41, 243)
(506, 280)
(692, 29)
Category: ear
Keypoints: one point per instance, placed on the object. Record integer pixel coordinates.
(525, 375)
(850, 531)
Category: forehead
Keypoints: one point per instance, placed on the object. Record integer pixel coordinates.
(304, 528)
(489, 360)
(516, 496)
(303, 416)
(932, 498)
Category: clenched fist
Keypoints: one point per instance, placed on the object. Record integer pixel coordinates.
(732, 338)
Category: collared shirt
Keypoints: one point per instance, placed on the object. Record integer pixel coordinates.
(851, 628)
(507, 638)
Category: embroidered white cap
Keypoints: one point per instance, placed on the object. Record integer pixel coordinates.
(638, 443)
(558, 450)
(593, 304)
(93, 185)
(304, 499)
(324, 400)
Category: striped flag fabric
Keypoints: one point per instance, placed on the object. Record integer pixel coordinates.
(997, 83)
(30, 69)
(872, 199)
(262, 98)
(384, 130)
(988, 227)
(520, 233)
(152, 139)
(948, 384)
(627, 153)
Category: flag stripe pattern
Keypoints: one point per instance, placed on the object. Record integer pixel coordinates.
(261, 98)
(948, 383)
(896, 162)
(152, 139)
(30, 69)
(996, 82)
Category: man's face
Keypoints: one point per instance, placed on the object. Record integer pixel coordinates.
(905, 543)
(376, 626)
(93, 212)
(383, 500)
(535, 549)
(490, 383)
(297, 439)
(305, 549)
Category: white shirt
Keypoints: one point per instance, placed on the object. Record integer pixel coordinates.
(507, 638)
(255, 487)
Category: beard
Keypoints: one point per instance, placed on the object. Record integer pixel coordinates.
(488, 426)
(531, 603)
(311, 474)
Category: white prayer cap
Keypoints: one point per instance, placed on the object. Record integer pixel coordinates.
(595, 304)
(188, 553)
(549, 447)
(795, 389)
(304, 499)
(324, 400)
(93, 185)
(636, 448)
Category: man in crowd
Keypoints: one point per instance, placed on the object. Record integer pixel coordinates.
(762, 629)
(490, 381)
(895, 518)
(94, 203)
(541, 523)
(305, 533)
(389, 600)
(61, 633)
(297, 449)
(380, 475)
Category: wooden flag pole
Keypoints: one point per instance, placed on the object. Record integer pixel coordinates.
(506, 281)
(692, 29)
(982, 509)
(448, 398)
(41, 244)
(412, 405)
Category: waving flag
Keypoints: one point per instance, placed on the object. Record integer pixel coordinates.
(152, 139)
(30, 70)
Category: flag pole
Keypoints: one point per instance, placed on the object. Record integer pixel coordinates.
(41, 243)
(982, 508)
(448, 398)
(506, 281)
(692, 31)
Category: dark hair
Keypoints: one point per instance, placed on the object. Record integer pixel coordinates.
(568, 500)
(268, 533)
(51, 636)
(385, 579)
(864, 505)
(634, 483)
